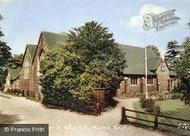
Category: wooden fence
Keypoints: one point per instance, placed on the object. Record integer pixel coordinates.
(155, 122)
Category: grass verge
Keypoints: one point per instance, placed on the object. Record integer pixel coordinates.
(172, 108)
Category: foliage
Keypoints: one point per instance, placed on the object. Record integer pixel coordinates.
(5, 56)
(176, 95)
(183, 70)
(172, 54)
(164, 95)
(71, 72)
(16, 61)
(148, 104)
(5, 53)
(183, 67)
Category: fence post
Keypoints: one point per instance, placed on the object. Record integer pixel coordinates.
(27, 93)
(23, 93)
(155, 120)
(123, 116)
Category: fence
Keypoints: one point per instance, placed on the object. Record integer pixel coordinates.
(125, 120)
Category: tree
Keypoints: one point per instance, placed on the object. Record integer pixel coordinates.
(5, 56)
(183, 71)
(188, 24)
(172, 54)
(16, 61)
(91, 59)
(183, 65)
(5, 53)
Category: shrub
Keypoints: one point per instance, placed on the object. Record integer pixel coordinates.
(157, 109)
(164, 95)
(89, 59)
(176, 95)
(142, 101)
(148, 104)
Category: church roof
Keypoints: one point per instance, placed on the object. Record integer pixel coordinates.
(135, 57)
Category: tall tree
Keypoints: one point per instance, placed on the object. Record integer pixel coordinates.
(172, 54)
(5, 56)
(183, 65)
(91, 59)
(183, 70)
(16, 61)
(5, 53)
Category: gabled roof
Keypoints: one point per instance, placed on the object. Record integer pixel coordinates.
(14, 73)
(31, 48)
(135, 57)
(53, 39)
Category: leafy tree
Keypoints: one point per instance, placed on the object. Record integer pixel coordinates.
(5, 53)
(183, 71)
(90, 60)
(16, 61)
(183, 66)
(5, 56)
(61, 69)
(188, 24)
(172, 54)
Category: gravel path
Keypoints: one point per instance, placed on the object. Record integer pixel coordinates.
(67, 123)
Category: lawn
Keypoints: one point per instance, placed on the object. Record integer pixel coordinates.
(172, 108)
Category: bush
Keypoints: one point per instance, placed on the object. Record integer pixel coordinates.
(186, 97)
(142, 101)
(157, 109)
(148, 104)
(164, 95)
(89, 59)
(176, 95)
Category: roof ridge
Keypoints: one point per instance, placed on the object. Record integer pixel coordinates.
(51, 32)
(31, 44)
(130, 46)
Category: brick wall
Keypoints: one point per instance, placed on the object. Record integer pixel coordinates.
(127, 89)
(24, 83)
(36, 69)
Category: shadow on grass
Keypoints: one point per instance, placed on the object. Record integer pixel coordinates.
(8, 119)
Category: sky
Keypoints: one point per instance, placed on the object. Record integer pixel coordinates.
(25, 19)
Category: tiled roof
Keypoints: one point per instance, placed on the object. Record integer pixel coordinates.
(31, 48)
(135, 57)
(14, 73)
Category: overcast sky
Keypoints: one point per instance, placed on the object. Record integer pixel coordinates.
(25, 19)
